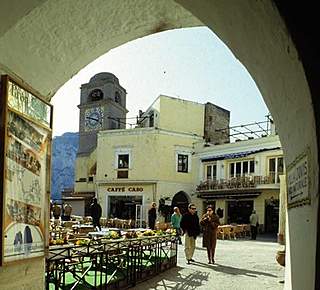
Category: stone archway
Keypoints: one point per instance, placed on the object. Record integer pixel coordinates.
(44, 43)
(181, 200)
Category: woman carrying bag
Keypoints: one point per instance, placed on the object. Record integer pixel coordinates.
(210, 223)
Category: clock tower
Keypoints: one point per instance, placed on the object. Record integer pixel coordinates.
(102, 107)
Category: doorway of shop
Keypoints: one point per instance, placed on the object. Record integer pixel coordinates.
(239, 211)
(123, 207)
(271, 219)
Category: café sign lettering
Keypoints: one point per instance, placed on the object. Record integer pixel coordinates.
(125, 189)
(298, 181)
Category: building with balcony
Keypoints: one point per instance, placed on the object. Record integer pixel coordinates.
(241, 176)
(179, 152)
(153, 162)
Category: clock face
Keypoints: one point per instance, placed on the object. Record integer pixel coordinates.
(93, 118)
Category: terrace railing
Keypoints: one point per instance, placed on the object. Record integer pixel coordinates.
(236, 182)
(109, 264)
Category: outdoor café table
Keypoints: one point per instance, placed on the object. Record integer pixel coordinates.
(98, 234)
(105, 232)
(83, 228)
(136, 230)
(226, 231)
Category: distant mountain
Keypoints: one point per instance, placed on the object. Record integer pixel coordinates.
(64, 150)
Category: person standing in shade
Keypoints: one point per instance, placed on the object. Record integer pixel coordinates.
(210, 223)
(56, 210)
(152, 216)
(254, 224)
(175, 222)
(67, 209)
(191, 228)
(96, 212)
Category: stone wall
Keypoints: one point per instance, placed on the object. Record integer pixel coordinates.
(23, 276)
(216, 118)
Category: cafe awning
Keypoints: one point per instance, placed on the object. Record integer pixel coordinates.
(235, 155)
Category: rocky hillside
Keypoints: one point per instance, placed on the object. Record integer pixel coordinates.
(64, 150)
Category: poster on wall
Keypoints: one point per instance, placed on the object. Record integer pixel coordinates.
(26, 138)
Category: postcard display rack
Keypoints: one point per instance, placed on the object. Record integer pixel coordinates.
(25, 148)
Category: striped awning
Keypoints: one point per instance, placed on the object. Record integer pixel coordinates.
(235, 155)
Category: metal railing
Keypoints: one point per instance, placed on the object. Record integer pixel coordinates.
(237, 182)
(109, 264)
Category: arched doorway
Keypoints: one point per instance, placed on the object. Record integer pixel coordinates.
(181, 200)
(45, 44)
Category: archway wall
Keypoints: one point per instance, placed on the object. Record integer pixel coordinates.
(57, 38)
(257, 36)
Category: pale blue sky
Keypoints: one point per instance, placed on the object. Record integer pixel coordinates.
(191, 63)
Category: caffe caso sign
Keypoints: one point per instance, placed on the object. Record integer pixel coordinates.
(125, 189)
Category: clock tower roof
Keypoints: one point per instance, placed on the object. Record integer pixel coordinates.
(104, 77)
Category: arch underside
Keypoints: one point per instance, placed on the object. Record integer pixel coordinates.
(45, 42)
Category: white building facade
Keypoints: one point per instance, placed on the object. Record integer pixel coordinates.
(242, 176)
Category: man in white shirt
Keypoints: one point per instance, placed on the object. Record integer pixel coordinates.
(254, 224)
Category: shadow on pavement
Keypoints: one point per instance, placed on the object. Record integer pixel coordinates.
(175, 280)
(234, 271)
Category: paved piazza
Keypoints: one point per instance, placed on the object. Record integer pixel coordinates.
(240, 264)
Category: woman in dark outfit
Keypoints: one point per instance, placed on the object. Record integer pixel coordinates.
(210, 223)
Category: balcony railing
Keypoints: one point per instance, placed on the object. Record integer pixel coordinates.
(236, 182)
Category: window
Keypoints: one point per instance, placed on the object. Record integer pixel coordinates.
(251, 166)
(151, 120)
(211, 172)
(241, 168)
(245, 168)
(95, 95)
(231, 169)
(238, 168)
(276, 168)
(123, 161)
(117, 98)
(122, 174)
(112, 124)
(123, 165)
(182, 163)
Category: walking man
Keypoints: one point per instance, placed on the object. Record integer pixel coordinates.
(254, 224)
(191, 228)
